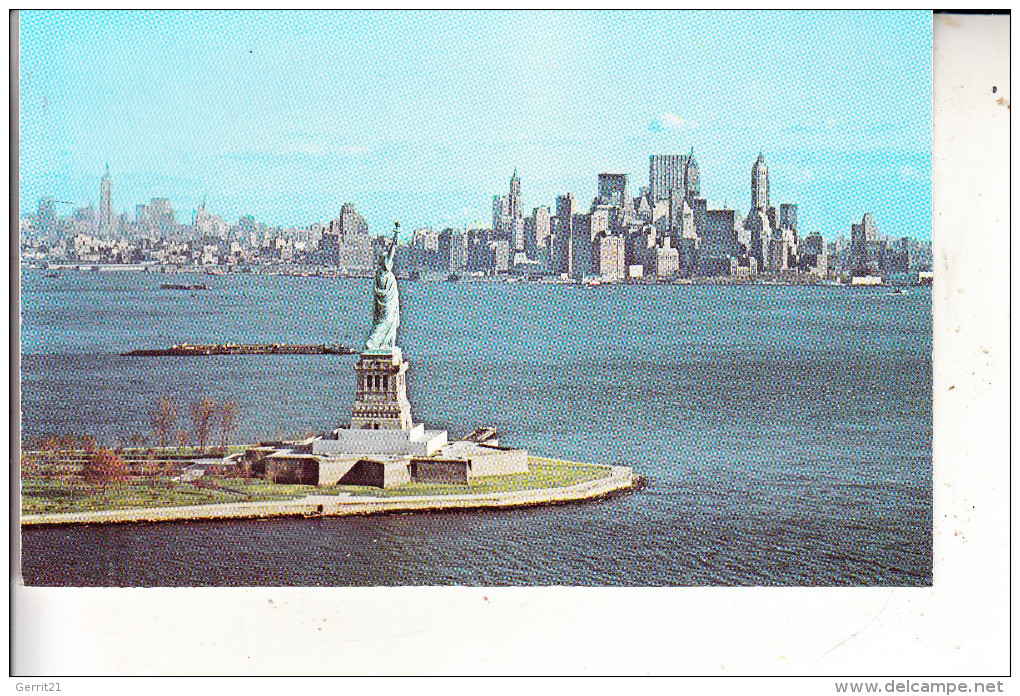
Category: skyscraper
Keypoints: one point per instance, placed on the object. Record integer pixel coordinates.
(515, 197)
(350, 223)
(788, 216)
(106, 220)
(499, 212)
(453, 249)
(541, 217)
(760, 184)
(612, 189)
(563, 245)
(664, 172)
(673, 172)
(758, 221)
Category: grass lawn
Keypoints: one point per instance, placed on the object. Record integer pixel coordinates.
(53, 495)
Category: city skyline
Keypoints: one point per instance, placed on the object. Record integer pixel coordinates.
(178, 118)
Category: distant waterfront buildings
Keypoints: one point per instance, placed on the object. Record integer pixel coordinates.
(867, 247)
(873, 253)
(664, 231)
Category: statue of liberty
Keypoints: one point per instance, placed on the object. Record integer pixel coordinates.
(386, 316)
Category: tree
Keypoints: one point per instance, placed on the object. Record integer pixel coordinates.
(164, 422)
(103, 467)
(65, 444)
(183, 437)
(228, 422)
(88, 443)
(50, 447)
(203, 414)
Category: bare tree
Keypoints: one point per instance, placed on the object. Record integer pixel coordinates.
(203, 413)
(164, 422)
(228, 422)
(183, 438)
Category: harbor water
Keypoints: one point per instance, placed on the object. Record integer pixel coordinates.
(784, 431)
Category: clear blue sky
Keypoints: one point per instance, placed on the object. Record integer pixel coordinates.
(421, 117)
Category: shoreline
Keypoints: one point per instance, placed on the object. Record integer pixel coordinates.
(312, 271)
(620, 480)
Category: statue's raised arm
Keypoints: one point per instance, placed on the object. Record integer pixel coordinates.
(391, 251)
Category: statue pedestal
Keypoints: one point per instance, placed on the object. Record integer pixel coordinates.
(381, 401)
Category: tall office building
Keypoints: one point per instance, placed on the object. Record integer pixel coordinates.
(515, 233)
(453, 249)
(350, 223)
(479, 253)
(355, 248)
(106, 219)
(788, 216)
(499, 211)
(720, 238)
(541, 219)
(612, 189)
(563, 245)
(507, 209)
(664, 174)
(760, 184)
(515, 197)
(673, 173)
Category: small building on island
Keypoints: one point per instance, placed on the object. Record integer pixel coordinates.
(382, 447)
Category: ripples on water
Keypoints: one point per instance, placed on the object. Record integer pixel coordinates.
(785, 432)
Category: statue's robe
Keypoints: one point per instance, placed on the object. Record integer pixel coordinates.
(386, 316)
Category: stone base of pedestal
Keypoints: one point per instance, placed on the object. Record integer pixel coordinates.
(380, 402)
(416, 441)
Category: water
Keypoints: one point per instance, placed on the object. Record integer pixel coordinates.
(785, 431)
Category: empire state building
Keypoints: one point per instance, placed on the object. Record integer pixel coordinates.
(760, 184)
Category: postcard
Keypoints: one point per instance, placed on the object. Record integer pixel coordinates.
(573, 313)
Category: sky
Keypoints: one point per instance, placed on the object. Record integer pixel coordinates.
(421, 117)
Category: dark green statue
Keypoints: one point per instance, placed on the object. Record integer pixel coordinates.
(386, 316)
